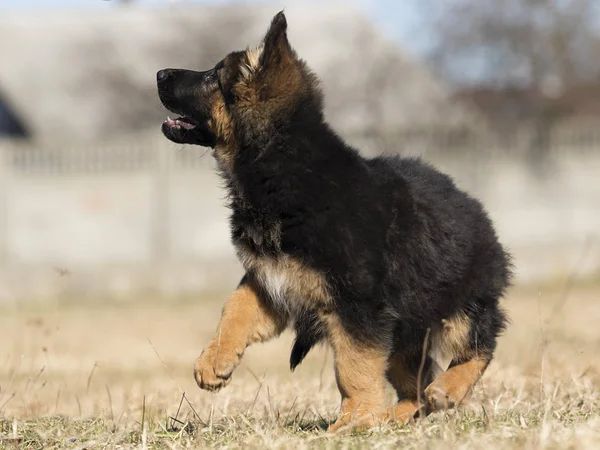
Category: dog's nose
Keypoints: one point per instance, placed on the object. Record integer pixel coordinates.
(162, 75)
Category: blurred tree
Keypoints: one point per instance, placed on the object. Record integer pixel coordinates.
(549, 44)
(517, 59)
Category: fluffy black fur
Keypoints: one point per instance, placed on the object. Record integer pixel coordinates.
(401, 246)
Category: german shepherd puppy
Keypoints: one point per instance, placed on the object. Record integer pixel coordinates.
(379, 257)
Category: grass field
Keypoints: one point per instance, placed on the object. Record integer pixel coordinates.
(114, 376)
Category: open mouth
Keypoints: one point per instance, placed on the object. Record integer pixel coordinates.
(185, 130)
(181, 122)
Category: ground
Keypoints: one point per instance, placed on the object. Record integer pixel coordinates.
(107, 375)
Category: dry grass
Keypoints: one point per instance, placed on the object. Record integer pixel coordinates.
(113, 376)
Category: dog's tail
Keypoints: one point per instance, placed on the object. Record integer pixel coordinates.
(309, 332)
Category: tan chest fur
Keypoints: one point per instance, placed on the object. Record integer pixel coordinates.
(292, 285)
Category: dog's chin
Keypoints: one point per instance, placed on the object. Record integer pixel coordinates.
(184, 131)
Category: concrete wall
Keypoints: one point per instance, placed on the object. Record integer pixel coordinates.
(550, 221)
(75, 230)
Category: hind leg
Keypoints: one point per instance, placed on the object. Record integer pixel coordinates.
(402, 374)
(454, 386)
(468, 341)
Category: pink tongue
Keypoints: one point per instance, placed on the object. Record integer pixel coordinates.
(179, 124)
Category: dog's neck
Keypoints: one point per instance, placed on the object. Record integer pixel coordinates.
(271, 176)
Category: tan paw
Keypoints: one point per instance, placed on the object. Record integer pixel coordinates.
(334, 427)
(403, 413)
(214, 367)
(454, 386)
(441, 395)
(349, 422)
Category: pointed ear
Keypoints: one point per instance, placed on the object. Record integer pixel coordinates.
(276, 45)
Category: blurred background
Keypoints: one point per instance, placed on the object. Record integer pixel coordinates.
(504, 95)
(115, 257)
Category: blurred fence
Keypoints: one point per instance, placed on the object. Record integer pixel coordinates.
(147, 215)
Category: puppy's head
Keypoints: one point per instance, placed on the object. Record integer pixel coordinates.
(249, 92)
(191, 95)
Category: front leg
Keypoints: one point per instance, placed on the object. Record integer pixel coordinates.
(247, 318)
(360, 374)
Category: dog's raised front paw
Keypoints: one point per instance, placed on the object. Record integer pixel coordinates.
(214, 367)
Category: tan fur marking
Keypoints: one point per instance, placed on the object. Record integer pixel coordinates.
(220, 121)
(263, 100)
(453, 387)
(290, 283)
(246, 319)
(360, 375)
(247, 97)
(450, 342)
(221, 125)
